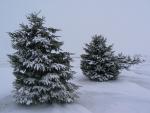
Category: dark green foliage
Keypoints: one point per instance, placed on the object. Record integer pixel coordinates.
(41, 68)
(99, 63)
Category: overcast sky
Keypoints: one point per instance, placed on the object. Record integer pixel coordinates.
(125, 23)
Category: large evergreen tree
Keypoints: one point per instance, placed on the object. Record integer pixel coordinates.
(99, 63)
(41, 68)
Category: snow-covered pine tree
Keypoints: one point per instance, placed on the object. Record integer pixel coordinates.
(41, 68)
(99, 63)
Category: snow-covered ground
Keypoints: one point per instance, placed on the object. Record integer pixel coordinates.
(129, 94)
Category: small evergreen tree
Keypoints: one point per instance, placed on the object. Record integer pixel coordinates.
(41, 68)
(99, 63)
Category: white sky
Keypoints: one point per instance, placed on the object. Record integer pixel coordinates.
(125, 23)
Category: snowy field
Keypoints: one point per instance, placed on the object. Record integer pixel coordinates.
(129, 94)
